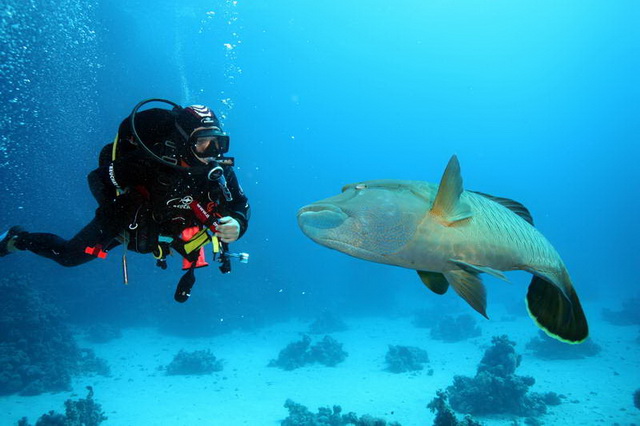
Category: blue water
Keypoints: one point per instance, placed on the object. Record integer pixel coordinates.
(539, 100)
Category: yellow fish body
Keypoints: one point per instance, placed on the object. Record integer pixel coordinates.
(450, 236)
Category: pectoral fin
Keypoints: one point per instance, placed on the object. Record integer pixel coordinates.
(469, 286)
(479, 269)
(447, 206)
(435, 281)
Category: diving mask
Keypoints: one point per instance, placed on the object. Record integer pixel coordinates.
(209, 142)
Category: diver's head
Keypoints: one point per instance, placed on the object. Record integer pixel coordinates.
(201, 132)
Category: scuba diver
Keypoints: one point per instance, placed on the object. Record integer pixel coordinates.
(163, 184)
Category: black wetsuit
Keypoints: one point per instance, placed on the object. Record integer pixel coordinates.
(142, 196)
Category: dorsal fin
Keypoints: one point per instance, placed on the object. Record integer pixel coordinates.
(512, 205)
(447, 205)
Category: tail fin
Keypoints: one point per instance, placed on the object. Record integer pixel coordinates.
(559, 315)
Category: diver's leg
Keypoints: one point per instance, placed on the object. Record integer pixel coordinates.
(8, 240)
(67, 252)
(109, 221)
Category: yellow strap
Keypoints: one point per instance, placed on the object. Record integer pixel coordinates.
(160, 252)
(215, 244)
(114, 147)
(113, 157)
(197, 241)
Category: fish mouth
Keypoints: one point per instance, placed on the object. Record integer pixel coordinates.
(320, 222)
(320, 217)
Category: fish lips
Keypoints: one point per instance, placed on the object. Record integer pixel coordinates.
(325, 224)
(316, 218)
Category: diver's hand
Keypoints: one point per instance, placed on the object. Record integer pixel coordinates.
(228, 229)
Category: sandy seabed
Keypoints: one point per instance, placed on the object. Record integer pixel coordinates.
(598, 389)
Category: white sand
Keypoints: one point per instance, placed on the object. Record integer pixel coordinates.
(247, 392)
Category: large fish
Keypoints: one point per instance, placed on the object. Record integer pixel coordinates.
(450, 236)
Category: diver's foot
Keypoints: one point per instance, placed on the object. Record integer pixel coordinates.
(8, 240)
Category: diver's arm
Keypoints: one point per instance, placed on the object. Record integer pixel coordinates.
(238, 208)
(127, 171)
(100, 190)
(228, 229)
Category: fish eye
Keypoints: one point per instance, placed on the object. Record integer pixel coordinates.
(360, 186)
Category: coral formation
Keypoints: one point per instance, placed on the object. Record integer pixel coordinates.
(193, 363)
(83, 412)
(628, 315)
(500, 359)
(298, 354)
(299, 415)
(328, 351)
(454, 329)
(496, 389)
(37, 351)
(401, 359)
(89, 363)
(294, 355)
(545, 347)
(327, 323)
(444, 413)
